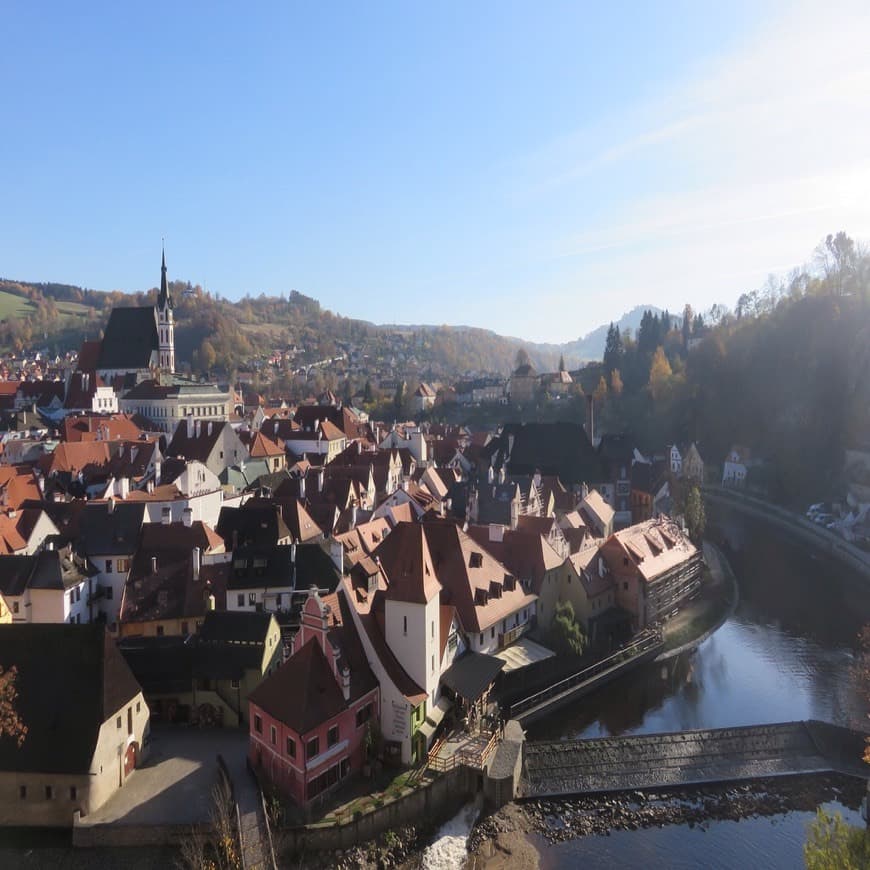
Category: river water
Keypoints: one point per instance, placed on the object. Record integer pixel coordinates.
(786, 654)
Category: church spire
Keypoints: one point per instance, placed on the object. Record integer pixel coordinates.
(164, 299)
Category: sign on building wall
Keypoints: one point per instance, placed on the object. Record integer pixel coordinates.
(401, 715)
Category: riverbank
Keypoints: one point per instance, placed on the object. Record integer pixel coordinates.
(707, 612)
(566, 819)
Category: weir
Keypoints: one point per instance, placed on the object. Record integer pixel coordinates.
(649, 761)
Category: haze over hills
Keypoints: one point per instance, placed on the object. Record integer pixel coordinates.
(63, 315)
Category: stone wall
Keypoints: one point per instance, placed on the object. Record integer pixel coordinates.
(431, 803)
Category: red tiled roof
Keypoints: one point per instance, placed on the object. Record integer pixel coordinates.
(404, 556)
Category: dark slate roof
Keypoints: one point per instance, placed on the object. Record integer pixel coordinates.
(257, 567)
(259, 525)
(71, 679)
(160, 664)
(59, 569)
(15, 571)
(470, 675)
(105, 532)
(229, 626)
(130, 339)
(314, 567)
(561, 449)
(303, 693)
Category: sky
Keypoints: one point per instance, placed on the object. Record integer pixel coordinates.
(532, 168)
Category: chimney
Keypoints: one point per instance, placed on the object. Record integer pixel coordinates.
(490, 475)
(187, 517)
(197, 427)
(123, 487)
(320, 475)
(501, 475)
(345, 683)
(210, 602)
(590, 419)
(196, 559)
(293, 553)
(275, 429)
(353, 510)
(210, 424)
(302, 486)
(166, 516)
(496, 532)
(153, 564)
(110, 505)
(190, 425)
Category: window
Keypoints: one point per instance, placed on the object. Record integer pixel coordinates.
(49, 792)
(108, 566)
(313, 747)
(110, 593)
(234, 684)
(492, 633)
(252, 598)
(240, 599)
(332, 736)
(15, 607)
(118, 722)
(405, 624)
(258, 723)
(273, 735)
(291, 747)
(159, 631)
(78, 593)
(123, 565)
(184, 628)
(138, 706)
(433, 631)
(625, 586)
(22, 792)
(433, 663)
(73, 793)
(480, 639)
(363, 715)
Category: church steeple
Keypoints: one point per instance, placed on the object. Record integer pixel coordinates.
(165, 323)
(164, 299)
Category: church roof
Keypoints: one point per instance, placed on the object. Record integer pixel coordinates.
(164, 299)
(130, 339)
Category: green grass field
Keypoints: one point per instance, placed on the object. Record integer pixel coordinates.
(17, 306)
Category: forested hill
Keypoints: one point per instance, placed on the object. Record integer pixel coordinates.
(787, 375)
(59, 316)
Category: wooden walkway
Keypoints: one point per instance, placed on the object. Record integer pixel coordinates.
(649, 761)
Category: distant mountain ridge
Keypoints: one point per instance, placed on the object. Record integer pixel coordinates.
(591, 346)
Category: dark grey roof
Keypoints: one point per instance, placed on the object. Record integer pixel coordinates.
(470, 675)
(130, 339)
(256, 567)
(15, 571)
(105, 532)
(71, 679)
(229, 626)
(59, 569)
(160, 664)
(259, 525)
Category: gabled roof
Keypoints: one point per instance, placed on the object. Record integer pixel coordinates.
(259, 524)
(59, 569)
(405, 558)
(71, 679)
(303, 693)
(655, 546)
(197, 446)
(261, 447)
(107, 529)
(15, 571)
(130, 339)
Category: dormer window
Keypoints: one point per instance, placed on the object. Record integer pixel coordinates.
(476, 560)
(481, 597)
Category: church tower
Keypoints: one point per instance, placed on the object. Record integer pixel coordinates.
(165, 325)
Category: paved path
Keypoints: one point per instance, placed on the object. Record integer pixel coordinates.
(687, 758)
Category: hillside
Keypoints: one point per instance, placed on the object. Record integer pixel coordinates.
(591, 346)
(239, 333)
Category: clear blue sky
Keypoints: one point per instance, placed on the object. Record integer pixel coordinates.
(535, 168)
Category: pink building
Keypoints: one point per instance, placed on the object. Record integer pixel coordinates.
(308, 720)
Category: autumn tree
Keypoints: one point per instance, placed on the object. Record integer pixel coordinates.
(834, 845)
(616, 385)
(522, 358)
(659, 374)
(11, 724)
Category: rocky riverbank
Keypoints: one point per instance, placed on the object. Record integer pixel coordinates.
(565, 819)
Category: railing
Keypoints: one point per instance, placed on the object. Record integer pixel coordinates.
(510, 636)
(644, 642)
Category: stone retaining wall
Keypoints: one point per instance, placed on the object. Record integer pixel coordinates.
(815, 536)
(430, 803)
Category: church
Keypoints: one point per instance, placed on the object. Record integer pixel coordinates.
(139, 340)
(137, 357)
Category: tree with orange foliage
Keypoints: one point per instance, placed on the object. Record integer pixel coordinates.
(11, 724)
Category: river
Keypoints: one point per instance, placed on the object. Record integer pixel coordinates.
(785, 654)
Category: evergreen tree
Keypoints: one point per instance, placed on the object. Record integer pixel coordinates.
(688, 316)
(566, 634)
(614, 350)
(368, 398)
(561, 362)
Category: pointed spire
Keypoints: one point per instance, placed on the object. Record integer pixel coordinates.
(164, 298)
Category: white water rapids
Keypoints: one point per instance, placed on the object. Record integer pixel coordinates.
(448, 851)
